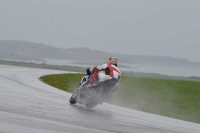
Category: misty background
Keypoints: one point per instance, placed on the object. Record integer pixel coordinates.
(150, 36)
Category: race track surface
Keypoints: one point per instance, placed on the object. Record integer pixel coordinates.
(27, 105)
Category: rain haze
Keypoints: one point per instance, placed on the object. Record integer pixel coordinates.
(155, 41)
(139, 27)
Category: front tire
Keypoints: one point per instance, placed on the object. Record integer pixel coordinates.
(72, 101)
(74, 97)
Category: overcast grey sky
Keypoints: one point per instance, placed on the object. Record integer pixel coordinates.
(142, 27)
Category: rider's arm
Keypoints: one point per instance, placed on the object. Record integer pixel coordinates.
(98, 68)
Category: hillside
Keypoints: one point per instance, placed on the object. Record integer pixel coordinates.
(22, 50)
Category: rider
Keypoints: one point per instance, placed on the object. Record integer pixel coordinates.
(108, 74)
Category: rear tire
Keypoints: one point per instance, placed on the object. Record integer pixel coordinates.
(92, 103)
(96, 99)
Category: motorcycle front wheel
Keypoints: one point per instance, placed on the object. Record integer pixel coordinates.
(74, 97)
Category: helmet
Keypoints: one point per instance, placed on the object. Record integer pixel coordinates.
(113, 61)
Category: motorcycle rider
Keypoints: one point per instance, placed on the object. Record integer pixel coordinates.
(108, 73)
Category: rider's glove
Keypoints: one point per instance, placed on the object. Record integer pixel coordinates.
(88, 71)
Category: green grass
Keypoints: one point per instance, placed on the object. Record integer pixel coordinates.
(65, 82)
(172, 98)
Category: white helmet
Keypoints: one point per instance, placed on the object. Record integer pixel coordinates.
(113, 61)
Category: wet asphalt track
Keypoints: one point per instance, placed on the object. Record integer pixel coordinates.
(27, 105)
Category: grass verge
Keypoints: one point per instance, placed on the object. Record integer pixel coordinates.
(178, 99)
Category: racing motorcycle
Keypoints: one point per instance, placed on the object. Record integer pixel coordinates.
(91, 92)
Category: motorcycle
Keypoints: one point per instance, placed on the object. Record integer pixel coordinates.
(96, 93)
